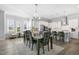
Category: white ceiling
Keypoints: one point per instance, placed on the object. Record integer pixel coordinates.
(45, 11)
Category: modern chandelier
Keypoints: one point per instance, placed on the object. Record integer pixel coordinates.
(35, 20)
(36, 11)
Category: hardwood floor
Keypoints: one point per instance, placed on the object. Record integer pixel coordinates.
(60, 43)
(71, 48)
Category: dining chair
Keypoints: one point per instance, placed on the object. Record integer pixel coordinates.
(27, 37)
(61, 36)
(45, 40)
(42, 42)
(54, 33)
(34, 42)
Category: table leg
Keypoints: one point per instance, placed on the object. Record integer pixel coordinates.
(51, 46)
(38, 48)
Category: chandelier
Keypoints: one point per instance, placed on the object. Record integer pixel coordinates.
(35, 20)
(36, 11)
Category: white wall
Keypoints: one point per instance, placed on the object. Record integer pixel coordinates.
(1, 24)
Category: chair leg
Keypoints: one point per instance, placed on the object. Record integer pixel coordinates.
(51, 42)
(48, 47)
(43, 49)
(63, 39)
(32, 46)
(29, 43)
(38, 47)
(24, 41)
(56, 37)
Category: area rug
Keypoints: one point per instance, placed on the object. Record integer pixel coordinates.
(17, 47)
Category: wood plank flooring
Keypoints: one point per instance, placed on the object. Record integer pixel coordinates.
(72, 48)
